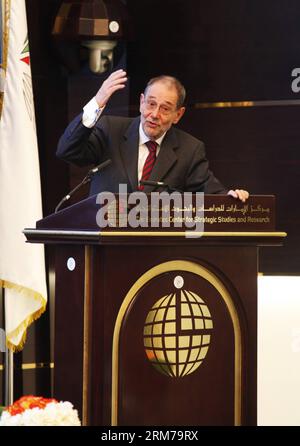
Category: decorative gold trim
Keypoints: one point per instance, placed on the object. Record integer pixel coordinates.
(86, 335)
(141, 233)
(32, 231)
(37, 365)
(244, 104)
(33, 366)
(201, 271)
(228, 104)
(190, 234)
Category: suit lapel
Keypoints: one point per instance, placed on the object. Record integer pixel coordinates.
(129, 152)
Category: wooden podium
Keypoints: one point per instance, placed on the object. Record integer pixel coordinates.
(153, 327)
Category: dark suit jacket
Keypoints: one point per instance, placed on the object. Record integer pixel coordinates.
(181, 162)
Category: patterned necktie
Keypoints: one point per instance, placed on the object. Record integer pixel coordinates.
(149, 163)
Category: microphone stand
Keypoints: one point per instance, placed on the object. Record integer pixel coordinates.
(85, 180)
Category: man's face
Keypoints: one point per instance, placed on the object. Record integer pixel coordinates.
(159, 110)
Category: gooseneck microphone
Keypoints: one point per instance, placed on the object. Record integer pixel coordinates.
(159, 184)
(85, 180)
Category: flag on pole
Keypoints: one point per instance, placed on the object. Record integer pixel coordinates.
(22, 265)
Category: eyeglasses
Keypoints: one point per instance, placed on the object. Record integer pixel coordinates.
(163, 109)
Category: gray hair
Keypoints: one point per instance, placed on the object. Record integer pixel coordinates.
(181, 93)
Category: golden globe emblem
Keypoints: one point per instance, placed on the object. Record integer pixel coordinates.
(177, 332)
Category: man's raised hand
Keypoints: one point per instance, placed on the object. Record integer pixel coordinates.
(116, 81)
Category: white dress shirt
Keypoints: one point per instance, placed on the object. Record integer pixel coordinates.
(91, 113)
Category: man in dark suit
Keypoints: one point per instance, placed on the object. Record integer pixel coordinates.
(175, 157)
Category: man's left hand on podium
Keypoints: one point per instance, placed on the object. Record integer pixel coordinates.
(241, 194)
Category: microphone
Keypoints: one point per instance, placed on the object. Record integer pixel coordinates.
(158, 184)
(85, 180)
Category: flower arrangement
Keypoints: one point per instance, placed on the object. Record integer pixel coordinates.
(38, 411)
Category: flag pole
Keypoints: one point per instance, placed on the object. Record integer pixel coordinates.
(8, 367)
(9, 377)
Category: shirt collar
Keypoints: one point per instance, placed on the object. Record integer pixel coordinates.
(144, 138)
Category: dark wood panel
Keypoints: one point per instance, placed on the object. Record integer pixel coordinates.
(68, 353)
(35, 381)
(109, 294)
(221, 51)
(257, 149)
